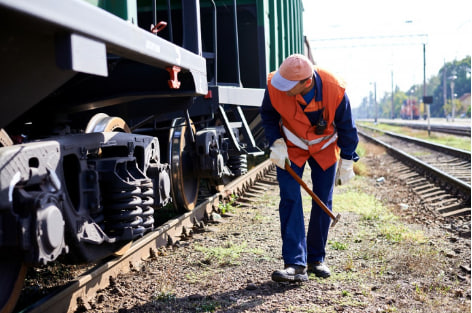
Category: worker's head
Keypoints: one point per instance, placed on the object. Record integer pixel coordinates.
(295, 71)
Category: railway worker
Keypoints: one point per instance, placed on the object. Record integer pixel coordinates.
(306, 116)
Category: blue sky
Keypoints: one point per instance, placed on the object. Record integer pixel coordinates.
(366, 41)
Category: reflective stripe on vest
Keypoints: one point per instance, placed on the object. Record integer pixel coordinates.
(304, 144)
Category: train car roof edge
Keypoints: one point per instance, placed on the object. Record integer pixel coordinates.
(120, 37)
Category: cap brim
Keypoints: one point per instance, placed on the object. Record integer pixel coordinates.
(281, 83)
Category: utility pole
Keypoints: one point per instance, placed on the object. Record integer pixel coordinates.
(427, 105)
(444, 87)
(424, 70)
(452, 78)
(375, 102)
(392, 115)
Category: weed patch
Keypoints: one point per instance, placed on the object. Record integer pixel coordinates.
(226, 255)
(227, 207)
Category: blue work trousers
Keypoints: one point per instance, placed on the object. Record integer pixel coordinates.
(298, 249)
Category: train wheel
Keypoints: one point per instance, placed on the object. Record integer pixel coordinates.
(101, 122)
(5, 140)
(185, 179)
(12, 277)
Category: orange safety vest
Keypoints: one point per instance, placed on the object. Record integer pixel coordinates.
(323, 148)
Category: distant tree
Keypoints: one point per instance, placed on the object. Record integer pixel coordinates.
(362, 111)
(435, 86)
(398, 99)
(461, 69)
(447, 108)
(386, 103)
(433, 83)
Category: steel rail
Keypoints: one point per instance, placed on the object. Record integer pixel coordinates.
(460, 130)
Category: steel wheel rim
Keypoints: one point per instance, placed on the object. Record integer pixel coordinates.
(185, 180)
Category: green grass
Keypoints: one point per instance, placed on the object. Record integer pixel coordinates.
(336, 245)
(210, 306)
(228, 207)
(226, 255)
(352, 199)
(164, 296)
(372, 210)
(380, 244)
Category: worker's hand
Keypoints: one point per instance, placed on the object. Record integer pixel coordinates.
(345, 172)
(278, 153)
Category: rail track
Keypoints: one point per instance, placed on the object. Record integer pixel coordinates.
(75, 294)
(455, 129)
(438, 174)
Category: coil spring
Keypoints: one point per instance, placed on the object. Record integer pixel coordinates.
(128, 207)
(238, 164)
(147, 193)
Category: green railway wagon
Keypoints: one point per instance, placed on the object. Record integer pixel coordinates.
(247, 42)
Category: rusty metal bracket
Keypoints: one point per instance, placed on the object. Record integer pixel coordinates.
(174, 82)
(158, 27)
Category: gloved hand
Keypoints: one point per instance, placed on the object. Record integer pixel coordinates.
(345, 172)
(278, 153)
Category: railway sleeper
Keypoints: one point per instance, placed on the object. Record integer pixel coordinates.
(420, 180)
(267, 182)
(401, 168)
(454, 209)
(259, 188)
(409, 175)
(427, 193)
(424, 185)
(442, 200)
(249, 197)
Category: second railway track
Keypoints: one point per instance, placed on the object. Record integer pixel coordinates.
(440, 176)
(455, 129)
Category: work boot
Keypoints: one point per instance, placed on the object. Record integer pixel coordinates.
(291, 273)
(319, 269)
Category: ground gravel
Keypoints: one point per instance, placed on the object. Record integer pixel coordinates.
(226, 267)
